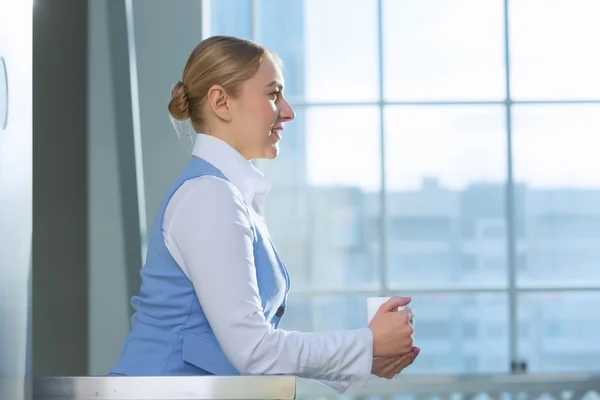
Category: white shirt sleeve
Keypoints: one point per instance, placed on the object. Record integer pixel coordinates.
(207, 230)
(339, 386)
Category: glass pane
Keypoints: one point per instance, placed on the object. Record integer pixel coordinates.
(461, 333)
(324, 313)
(557, 167)
(555, 49)
(343, 147)
(230, 17)
(445, 181)
(315, 44)
(341, 50)
(559, 332)
(322, 214)
(440, 50)
(282, 29)
(456, 333)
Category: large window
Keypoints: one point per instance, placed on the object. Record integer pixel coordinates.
(444, 150)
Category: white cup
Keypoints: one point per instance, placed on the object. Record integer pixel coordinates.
(373, 304)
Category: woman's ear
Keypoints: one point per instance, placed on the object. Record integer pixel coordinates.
(218, 101)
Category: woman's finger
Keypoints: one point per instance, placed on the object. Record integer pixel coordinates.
(391, 370)
(403, 362)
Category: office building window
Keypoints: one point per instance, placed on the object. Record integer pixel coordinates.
(440, 148)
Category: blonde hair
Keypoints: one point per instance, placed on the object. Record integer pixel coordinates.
(218, 60)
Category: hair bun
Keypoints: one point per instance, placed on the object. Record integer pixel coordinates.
(179, 106)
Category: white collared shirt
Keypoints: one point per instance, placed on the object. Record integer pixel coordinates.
(224, 276)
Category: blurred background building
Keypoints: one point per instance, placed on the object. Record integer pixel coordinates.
(443, 150)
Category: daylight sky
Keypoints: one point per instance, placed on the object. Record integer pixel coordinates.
(453, 50)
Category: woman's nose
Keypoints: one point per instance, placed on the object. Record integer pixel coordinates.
(286, 112)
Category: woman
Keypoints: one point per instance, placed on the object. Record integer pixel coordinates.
(213, 287)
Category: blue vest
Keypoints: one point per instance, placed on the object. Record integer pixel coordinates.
(170, 334)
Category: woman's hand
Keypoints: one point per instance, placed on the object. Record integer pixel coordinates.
(389, 367)
(392, 329)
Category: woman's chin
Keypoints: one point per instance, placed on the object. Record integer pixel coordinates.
(272, 151)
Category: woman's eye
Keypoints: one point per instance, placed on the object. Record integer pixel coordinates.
(275, 94)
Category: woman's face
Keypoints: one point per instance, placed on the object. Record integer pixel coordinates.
(260, 111)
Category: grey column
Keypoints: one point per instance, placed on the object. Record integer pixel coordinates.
(166, 32)
(124, 101)
(60, 255)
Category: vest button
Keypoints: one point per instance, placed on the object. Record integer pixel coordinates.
(280, 311)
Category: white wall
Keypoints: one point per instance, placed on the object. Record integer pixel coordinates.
(15, 194)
